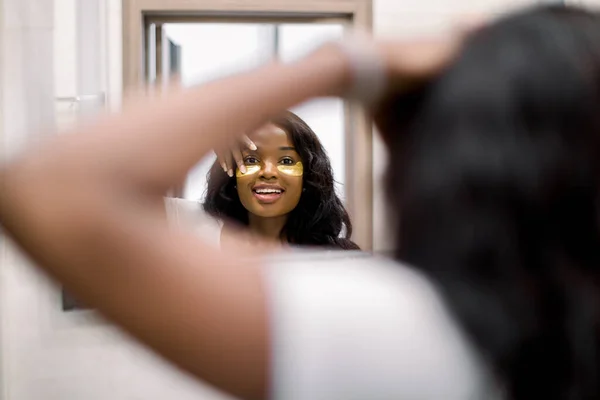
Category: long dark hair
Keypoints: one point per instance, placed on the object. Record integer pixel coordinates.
(497, 199)
(320, 216)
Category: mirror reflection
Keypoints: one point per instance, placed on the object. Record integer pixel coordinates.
(293, 186)
(283, 189)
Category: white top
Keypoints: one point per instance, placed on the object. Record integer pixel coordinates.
(348, 326)
(363, 327)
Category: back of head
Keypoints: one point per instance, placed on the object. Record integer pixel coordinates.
(494, 175)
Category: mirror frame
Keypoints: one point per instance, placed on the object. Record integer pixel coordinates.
(358, 187)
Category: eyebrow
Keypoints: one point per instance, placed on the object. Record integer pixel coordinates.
(284, 148)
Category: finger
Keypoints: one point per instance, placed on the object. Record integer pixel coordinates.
(248, 142)
(239, 158)
(221, 160)
(229, 163)
(229, 158)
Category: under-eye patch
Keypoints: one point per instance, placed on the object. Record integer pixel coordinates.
(250, 169)
(292, 170)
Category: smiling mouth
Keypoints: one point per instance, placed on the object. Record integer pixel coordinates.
(267, 195)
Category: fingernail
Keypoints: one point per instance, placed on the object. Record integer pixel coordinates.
(242, 169)
(253, 147)
(230, 173)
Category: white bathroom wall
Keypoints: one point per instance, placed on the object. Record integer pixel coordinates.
(80, 59)
(65, 63)
(90, 55)
(25, 84)
(26, 102)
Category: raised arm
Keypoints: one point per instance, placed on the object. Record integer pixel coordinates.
(89, 210)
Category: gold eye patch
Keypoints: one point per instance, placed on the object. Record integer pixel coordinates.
(292, 170)
(250, 169)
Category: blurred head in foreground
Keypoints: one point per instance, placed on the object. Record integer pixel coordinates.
(494, 176)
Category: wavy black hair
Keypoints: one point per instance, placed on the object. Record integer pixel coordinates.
(498, 197)
(320, 217)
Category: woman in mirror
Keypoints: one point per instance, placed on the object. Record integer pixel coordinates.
(282, 188)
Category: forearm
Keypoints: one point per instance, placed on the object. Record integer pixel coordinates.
(165, 287)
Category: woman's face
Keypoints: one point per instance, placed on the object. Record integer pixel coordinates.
(272, 184)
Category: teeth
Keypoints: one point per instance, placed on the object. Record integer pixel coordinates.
(267, 191)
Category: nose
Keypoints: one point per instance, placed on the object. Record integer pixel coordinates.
(269, 170)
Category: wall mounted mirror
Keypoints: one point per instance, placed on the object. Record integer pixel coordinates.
(201, 40)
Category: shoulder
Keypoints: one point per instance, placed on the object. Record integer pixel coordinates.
(365, 327)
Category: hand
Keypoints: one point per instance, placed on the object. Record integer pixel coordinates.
(418, 60)
(232, 156)
(412, 61)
